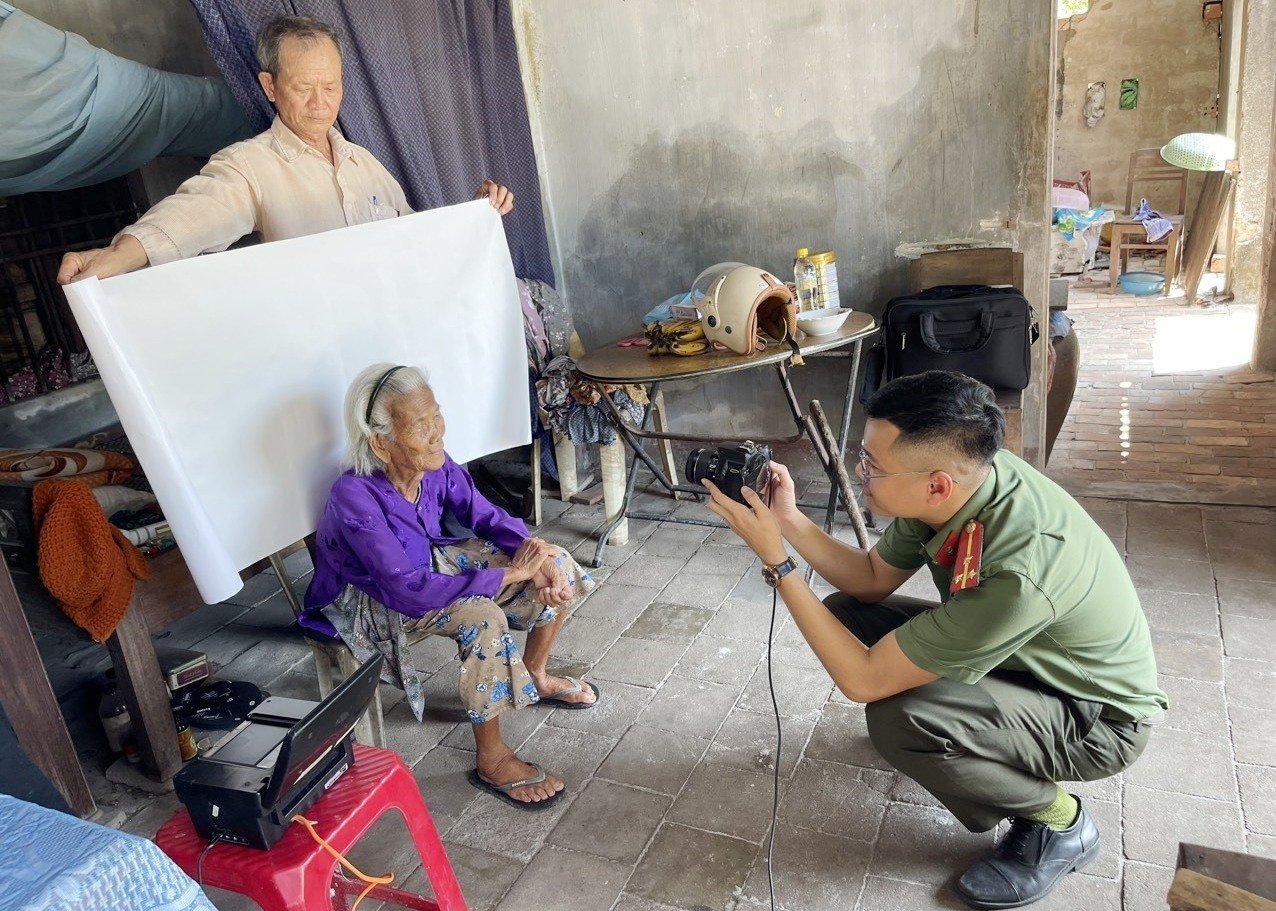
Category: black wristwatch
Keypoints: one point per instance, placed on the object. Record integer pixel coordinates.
(772, 574)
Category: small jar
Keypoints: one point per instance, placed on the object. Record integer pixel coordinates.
(186, 743)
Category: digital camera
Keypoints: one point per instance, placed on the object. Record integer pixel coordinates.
(732, 468)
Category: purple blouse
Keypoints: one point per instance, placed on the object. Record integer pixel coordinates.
(371, 537)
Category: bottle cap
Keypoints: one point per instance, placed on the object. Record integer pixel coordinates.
(803, 251)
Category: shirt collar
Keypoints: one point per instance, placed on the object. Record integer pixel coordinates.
(970, 510)
(289, 145)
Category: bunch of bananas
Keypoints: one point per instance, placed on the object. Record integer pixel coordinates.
(684, 337)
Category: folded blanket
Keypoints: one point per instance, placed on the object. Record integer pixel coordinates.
(88, 466)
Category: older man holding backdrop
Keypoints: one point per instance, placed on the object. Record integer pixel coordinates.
(299, 177)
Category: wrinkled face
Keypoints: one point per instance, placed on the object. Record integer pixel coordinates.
(418, 424)
(307, 91)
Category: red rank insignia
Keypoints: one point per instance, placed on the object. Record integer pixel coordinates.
(947, 555)
(970, 550)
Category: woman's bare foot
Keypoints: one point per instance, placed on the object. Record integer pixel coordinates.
(506, 768)
(553, 688)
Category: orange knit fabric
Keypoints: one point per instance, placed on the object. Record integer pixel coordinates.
(85, 562)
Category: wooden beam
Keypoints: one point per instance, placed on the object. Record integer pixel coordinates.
(144, 690)
(31, 705)
(1192, 891)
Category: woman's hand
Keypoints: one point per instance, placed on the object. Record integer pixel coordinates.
(754, 523)
(501, 198)
(551, 583)
(527, 560)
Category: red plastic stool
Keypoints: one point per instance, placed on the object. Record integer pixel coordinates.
(297, 874)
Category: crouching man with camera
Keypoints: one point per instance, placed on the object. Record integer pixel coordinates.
(1035, 668)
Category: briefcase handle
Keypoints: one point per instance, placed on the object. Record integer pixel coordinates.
(929, 340)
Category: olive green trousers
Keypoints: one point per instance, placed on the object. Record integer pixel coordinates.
(991, 749)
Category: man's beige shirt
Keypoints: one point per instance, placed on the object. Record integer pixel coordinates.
(273, 183)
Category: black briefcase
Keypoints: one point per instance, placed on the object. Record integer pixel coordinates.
(977, 330)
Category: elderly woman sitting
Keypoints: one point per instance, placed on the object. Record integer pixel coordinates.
(390, 561)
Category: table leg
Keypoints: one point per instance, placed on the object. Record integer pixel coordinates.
(565, 456)
(32, 707)
(838, 476)
(611, 459)
(843, 438)
(144, 690)
(635, 444)
(666, 447)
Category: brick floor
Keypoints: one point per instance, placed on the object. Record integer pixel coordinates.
(670, 790)
(1161, 399)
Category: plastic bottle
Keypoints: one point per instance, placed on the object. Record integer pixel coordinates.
(116, 722)
(806, 279)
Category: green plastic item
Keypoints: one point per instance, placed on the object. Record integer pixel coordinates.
(1199, 151)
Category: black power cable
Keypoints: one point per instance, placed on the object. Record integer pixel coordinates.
(199, 866)
(779, 737)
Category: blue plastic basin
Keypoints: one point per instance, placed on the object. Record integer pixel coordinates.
(1142, 283)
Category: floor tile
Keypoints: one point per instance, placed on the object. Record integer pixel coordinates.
(641, 662)
(719, 660)
(443, 777)
(1107, 817)
(841, 735)
(1258, 797)
(688, 868)
(698, 589)
(689, 706)
(1164, 515)
(726, 800)
(567, 881)
(747, 740)
(1156, 821)
(642, 569)
(1195, 705)
(617, 707)
(1249, 637)
(1250, 683)
(881, 893)
(1247, 598)
(654, 759)
(1242, 563)
(925, 846)
(812, 871)
(1165, 541)
(1188, 655)
(639, 813)
(616, 603)
(484, 877)
(742, 619)
(676, 623)
(799, 691)
(1196, 764)
(584, 639)
(833, 799)
(1178, 612)
(670, 540)
(1145, 886)
(1171, 574)
(724, 561)
(1254, 733)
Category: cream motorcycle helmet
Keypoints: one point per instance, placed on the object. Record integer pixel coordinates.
(737, 301)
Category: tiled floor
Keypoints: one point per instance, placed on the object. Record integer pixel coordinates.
(670, 777)
(1165, 397)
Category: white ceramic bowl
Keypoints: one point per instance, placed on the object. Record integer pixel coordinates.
(823, 322)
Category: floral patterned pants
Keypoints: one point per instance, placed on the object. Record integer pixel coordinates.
(493, 677)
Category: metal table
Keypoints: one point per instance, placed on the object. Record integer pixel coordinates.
(633, 365)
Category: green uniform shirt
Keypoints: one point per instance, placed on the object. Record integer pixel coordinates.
(1054, 597)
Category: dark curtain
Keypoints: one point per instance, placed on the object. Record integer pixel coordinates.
(432, 87)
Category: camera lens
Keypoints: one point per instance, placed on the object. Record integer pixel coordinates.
(701, 464)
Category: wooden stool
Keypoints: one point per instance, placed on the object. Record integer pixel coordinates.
(297, 874)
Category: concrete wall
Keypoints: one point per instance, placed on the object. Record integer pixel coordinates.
(1173, 53)
(1251, 228)
(674, 137)
(164, 34)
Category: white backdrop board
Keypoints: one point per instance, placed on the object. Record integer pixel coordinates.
(229, 371)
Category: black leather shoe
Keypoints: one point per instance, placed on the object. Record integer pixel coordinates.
(1029, 863)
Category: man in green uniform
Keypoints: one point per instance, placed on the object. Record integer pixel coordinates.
(1035, 668)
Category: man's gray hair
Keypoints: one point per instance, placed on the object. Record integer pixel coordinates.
(274, 32)
(359, 430)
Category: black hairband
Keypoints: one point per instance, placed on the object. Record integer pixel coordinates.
(376, 390)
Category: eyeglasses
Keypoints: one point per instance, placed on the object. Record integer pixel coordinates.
(869, 474)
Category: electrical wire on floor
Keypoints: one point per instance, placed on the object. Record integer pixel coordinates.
(199, 865)
(779, 738)
(372, 881)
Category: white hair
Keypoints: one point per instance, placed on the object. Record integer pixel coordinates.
(359, 430)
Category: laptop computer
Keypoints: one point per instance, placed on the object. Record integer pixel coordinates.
(277, 763)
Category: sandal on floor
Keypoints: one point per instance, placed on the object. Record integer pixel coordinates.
(557, 700)
(503, 790)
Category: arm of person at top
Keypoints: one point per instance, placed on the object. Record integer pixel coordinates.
(856, 572)
(861, 673)
(501, 198)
